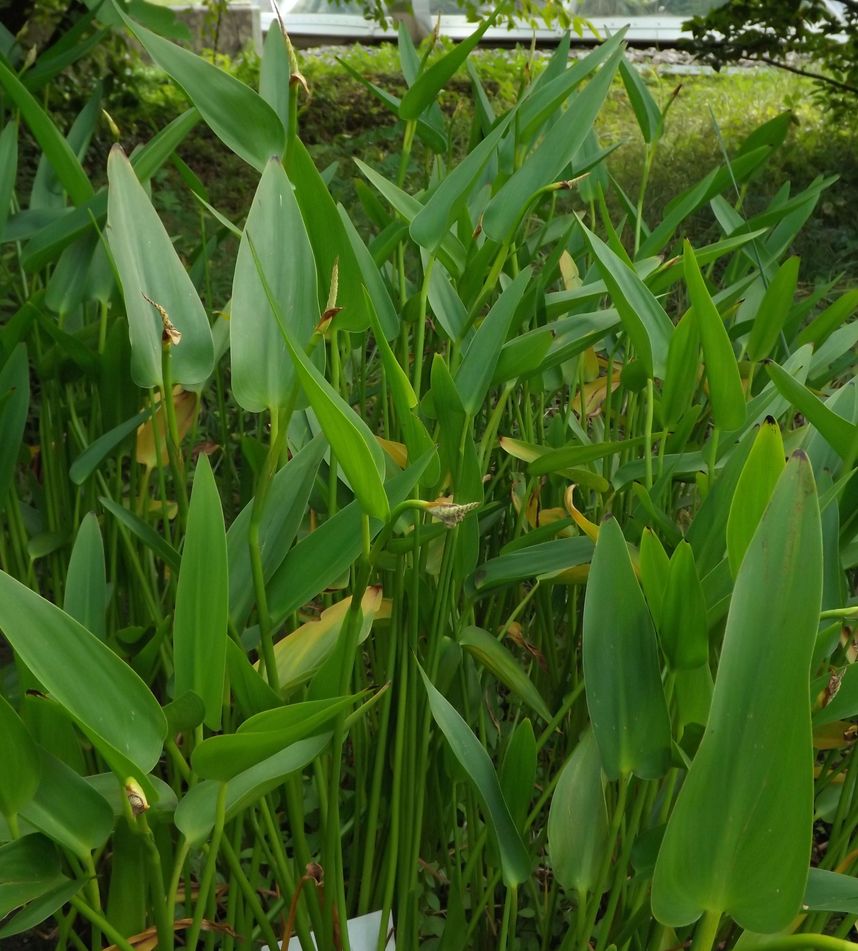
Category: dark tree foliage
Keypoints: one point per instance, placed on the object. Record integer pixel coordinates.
(815, 38)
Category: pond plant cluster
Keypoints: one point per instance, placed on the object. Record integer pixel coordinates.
(490, 568)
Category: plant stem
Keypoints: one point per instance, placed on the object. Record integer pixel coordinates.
(99, 921)
(706, 931)
(209, 870)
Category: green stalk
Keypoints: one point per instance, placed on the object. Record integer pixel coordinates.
(98, 921)
(173, 442)
(208, 876)
(249, 893)
(650, 408)
(706, 931)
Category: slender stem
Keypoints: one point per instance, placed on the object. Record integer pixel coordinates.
(207, 879)
(174, 452)
(99, 921)
(706, 931)
(650, 407)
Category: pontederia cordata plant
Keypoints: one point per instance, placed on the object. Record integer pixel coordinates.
(484, 560)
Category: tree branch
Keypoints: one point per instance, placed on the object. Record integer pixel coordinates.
(819, 77)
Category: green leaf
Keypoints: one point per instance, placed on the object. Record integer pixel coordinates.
(264, 735)
(683, 626)
(275, 73)
(144, 532)
(284, 511)
(100, 692)
(239, 117)
(19, 778)
(683, 365)
(515, 860)
(478, 364)
(262, 370)
(14, 408)
(432, 222)
(518, 772)
(149, 267)
(551, 157)
(29, 867)
(357, 450)
(722, 370)
(649, 118)
(51, 141)
(760, 474)
(537, 561)
(643, 318)
(330, 242)
(621, 670)
(426, 87)
(196, 812)
(831, 891)
(202, 599)
(67, 809)
(578, 819)
(654, 572)
(821, 327)
(841, 435)
(8, 170)
(86, 583)
(499, 661)
(773, 310)
(743, 846)
(37, 910)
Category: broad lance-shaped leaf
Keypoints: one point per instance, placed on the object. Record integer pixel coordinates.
(149, 267)
(621, 670)
(515, 861)
(19, 777)
(722, 370)
(757, 481)
(500, 662)
(551, 157)
(682, 625)
(237, 115)
(262, 370)
(202, 599)
(98, 690)
(578, 819)
(422, 94)
(86, 584)
(643, 318)
(738, 840)
(358, 452)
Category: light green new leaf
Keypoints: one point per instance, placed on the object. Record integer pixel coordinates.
(148, 265)
(196, 812)
(202, 599)
(237, 115)
(773, 310)
(19, 777)
(621, 670)
(515, 861)
(85, 596)
(643, 318)
(499, 661)
(738, 840)
(478, 364)
(101, 693)
(682, 625)
(760, 474)
(578, 819)
(551, 157)
(426, 87)
(722, 370)
(358, 452)
(262, 370)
